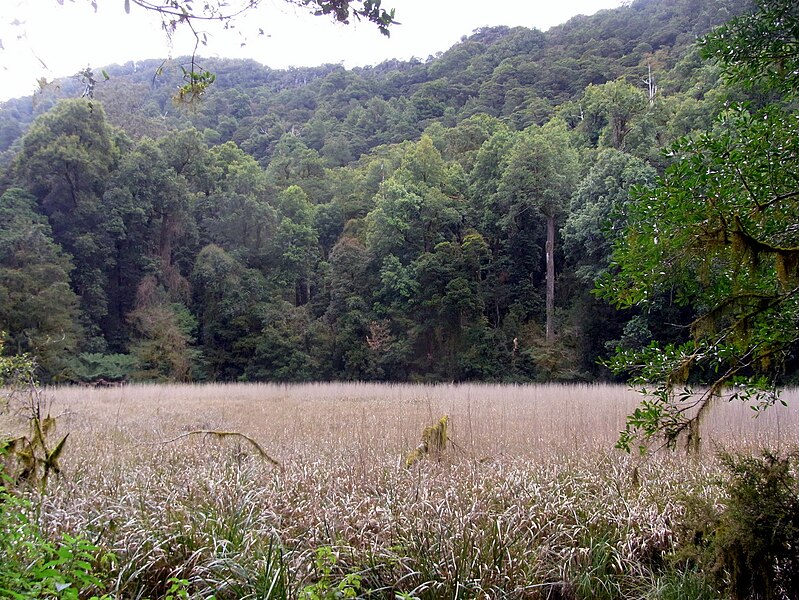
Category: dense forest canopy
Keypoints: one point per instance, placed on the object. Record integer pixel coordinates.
(438, 219)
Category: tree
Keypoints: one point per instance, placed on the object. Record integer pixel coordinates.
(448, 311)
(609, 111)
(235, 214)
(37, 307)
(541, 176)
(150, 203)
(66, 160)
(597, 208)
(296, 245)
(294, 164)
(417, 207)
(721, 234)
(348, 311)
(595, 220)
(162, 335)
(230, 301)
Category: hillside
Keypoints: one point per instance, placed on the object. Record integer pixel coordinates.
(382, 223)
(520, 75)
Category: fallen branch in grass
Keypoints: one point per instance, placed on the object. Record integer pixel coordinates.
(221, 435)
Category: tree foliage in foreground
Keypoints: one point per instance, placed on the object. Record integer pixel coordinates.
(720, 234)
(178, 12)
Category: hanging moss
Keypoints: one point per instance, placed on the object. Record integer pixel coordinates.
(434, 441)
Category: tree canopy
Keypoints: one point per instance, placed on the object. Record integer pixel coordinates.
(719, 233)
(439, 220)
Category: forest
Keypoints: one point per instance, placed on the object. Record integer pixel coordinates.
(444, 219)
(614, 199)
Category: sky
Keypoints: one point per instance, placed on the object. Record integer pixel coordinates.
(58, 38)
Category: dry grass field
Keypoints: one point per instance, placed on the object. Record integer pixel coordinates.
(530, 501)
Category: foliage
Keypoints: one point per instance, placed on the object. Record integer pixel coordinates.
(87, 367)
(516, 74)
(325, 588)
(427, 221)
(33, 456)
(749, 546)
(65, 163)
(718, 236)
(178, 589)
(683, 584)
(597, 211)
(37, 305)
(16, 371)
(162, 344)
(33, 453)
(34, 566)
(760, 48)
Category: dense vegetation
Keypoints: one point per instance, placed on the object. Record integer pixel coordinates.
(523, 499)
(462, 218)
(425, 220)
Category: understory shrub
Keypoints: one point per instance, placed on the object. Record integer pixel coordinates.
(33, 566)
(749, 547)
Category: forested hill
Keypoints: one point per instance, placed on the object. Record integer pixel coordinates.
(387, 222)
(520, 75)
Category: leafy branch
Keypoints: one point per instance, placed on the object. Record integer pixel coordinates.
(729, 362)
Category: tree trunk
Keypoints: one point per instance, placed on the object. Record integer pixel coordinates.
(550, 251)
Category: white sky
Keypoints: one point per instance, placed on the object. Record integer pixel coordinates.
(51, 38)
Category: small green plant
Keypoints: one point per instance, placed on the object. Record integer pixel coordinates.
(34, 567)
(178, 589)
(598, 573)
(34, 456)
(326, 588)
(687, 584)
(33, 452)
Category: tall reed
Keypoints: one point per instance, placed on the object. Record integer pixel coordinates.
(530, 500)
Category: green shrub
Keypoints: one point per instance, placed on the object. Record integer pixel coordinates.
(325, 588)
(750, 547)
(34, 567)
(688, 584)
(88, 367)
